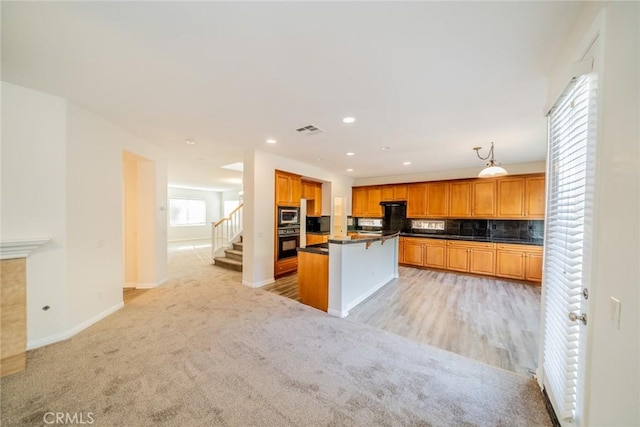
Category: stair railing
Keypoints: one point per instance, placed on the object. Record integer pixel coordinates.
(226, 230)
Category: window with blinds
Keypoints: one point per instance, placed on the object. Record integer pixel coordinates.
(569, 213)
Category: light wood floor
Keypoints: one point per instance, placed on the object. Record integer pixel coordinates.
(129, 294)
(493, 321)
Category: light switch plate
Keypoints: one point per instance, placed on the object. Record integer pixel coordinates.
(616, 308)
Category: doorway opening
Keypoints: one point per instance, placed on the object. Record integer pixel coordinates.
(138, 224)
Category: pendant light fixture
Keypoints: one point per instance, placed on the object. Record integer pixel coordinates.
(493, 168)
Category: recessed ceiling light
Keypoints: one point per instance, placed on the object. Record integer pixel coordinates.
(348, 120)
(349, 170)
(385, 148)
(271, 141)
(406, 163)
(351, 153)
(189, 141)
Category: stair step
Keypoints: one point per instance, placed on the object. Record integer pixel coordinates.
(237, 246)
(228, 263)
(233, 254)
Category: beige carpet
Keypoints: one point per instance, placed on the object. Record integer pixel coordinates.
(204, 350)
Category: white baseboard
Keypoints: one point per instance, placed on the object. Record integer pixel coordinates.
(152, 285)
(71, 332)
(370, 292)
(131, 285)
(258, 284)
(337, 313)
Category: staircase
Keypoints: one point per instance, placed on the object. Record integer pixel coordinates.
(232, 258)
(227, 239)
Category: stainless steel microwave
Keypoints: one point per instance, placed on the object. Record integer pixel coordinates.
(288, 216)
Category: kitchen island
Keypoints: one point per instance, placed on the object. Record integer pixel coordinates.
(338, 275)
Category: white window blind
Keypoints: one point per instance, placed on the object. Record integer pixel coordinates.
(570, 175)
(187, 212)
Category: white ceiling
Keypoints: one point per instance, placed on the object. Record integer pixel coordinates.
(431, 80)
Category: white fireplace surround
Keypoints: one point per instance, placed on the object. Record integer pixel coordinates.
(20, 248)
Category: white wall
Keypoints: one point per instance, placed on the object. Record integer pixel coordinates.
(62, 178)
(213, 201)
(34, 138)
(613, 355)
(259, 208)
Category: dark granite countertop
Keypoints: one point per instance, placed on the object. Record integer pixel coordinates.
(320, 249)
(320, 233)
(363, 238)
(530, 241)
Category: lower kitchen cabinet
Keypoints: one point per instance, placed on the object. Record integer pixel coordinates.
(471, 257)
(435, 253)
(521, 262)
(413, 252)
(314, 239)
(284, 266)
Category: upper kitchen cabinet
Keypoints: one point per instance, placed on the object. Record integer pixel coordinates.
(374, 197)
(288, 189)
(366, 202)
(428, 200)
(483, 198)
(521, 197)
(393, 193)
(417, 200)
(312, 191)
(472, 198)
(535, 191)
(460, 199)
(437, 199)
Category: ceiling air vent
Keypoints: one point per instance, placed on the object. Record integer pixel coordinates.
(309, 130)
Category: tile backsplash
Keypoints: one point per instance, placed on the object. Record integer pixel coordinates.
(506, 229)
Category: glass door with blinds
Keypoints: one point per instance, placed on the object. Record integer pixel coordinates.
(567, 241)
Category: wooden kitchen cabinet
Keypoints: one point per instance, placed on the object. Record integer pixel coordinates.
(423, 252)
(435, 253)
(472, 199)
(374, 197)
(460, 199)
(365, 202)
(535, 192)
(417, 200)
(483, 198)
(312, 191)
(521, 197)
(437, 205)
(413, 251)
(314, 239)
(428, 200)
(287, 265)
(394, 192)
(471, 257)
(288, 189)
(359, 202)
(520, 262)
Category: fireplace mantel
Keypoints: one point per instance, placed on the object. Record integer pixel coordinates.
(20, 248)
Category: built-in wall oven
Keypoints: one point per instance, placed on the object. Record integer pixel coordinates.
(288, 241)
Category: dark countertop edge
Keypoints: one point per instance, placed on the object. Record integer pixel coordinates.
(383, 236)
(533, 242)
(314, 250)
(320, 233)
